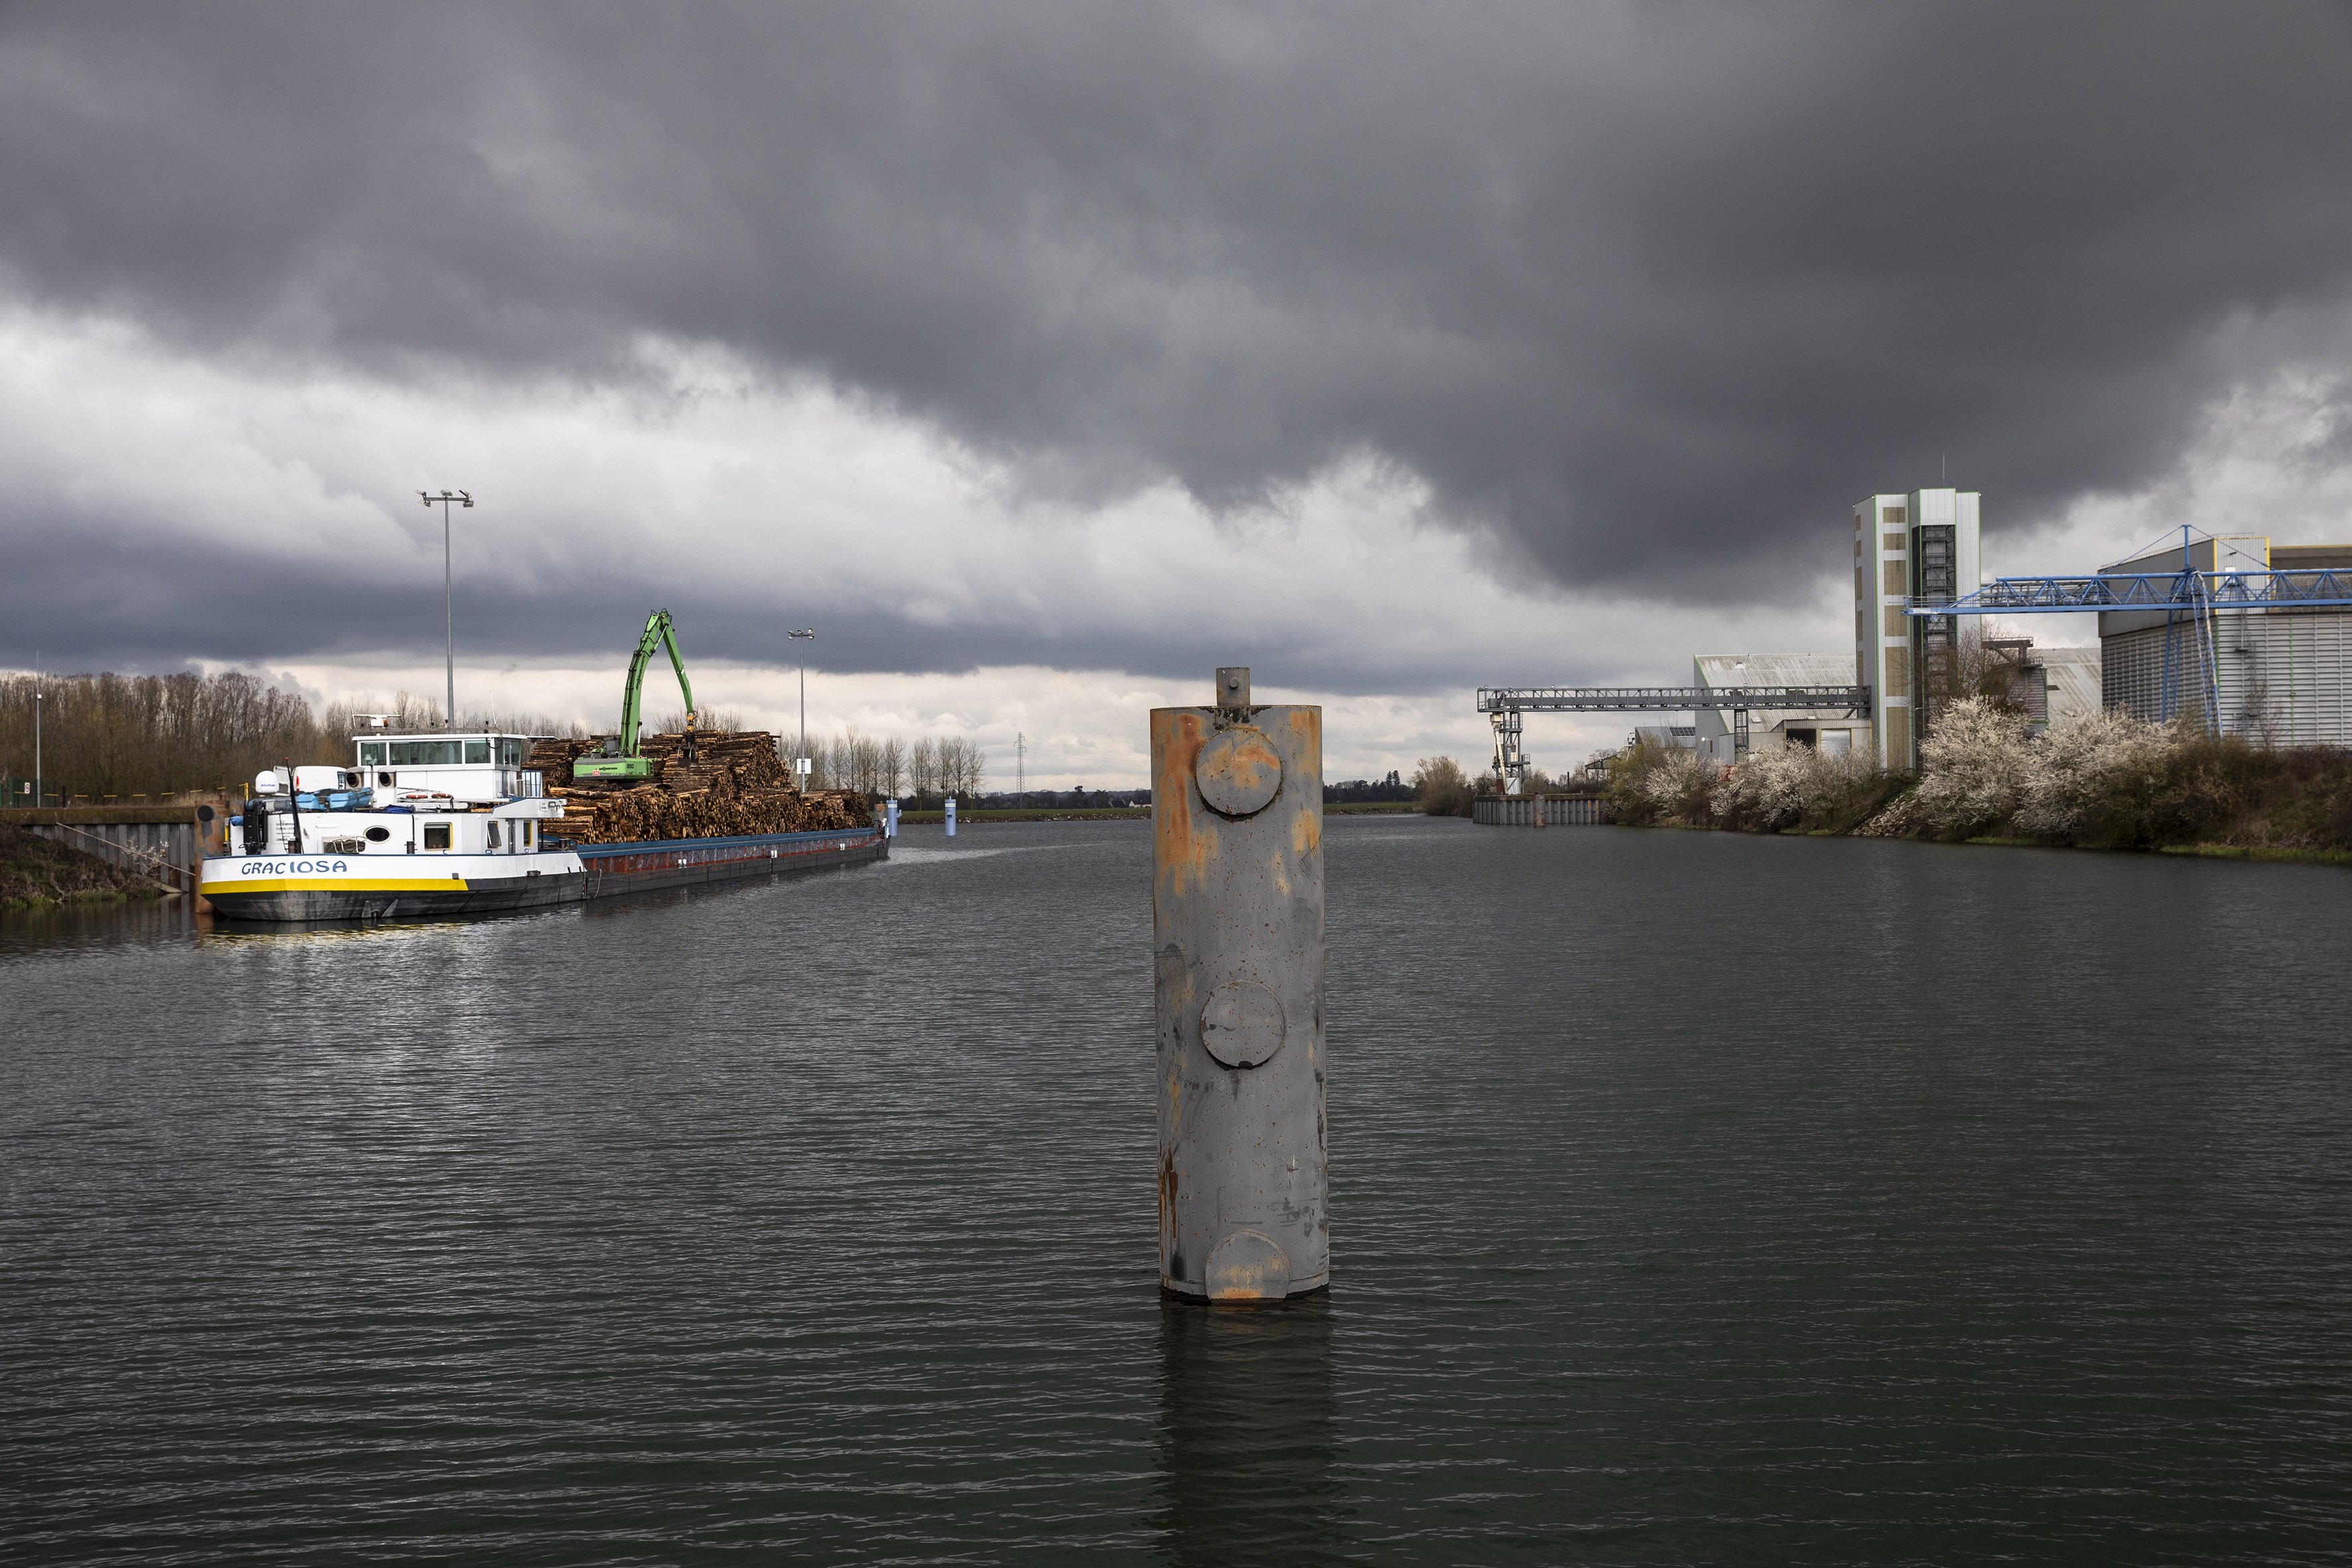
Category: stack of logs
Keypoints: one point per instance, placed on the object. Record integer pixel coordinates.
(735, 785)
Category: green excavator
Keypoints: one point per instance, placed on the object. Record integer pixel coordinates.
(620, 758)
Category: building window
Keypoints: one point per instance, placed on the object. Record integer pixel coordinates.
(1894, 514)
(437, 835)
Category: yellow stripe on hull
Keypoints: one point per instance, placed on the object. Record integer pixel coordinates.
(333, 885)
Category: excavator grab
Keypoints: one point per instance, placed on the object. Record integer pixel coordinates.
(621, 759)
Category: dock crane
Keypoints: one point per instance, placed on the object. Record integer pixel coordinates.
(619, 758)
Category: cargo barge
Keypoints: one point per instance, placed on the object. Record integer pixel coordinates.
(428, 826)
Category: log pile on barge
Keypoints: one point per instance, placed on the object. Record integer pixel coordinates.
(735, 786)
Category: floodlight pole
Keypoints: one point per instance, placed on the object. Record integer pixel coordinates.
(36, 729)
(448, 614)
(805, 633)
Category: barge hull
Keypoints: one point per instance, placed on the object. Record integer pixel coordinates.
(477, 897)
(642, 867)
(324, 887)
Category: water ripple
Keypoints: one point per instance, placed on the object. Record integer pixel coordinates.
(1697, 1198)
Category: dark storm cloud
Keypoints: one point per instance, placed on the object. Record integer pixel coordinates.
(174, 605)
(1652, 292)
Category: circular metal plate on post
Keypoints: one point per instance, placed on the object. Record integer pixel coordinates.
(1241, 1024)
(1247, 1265)
(1239, 771)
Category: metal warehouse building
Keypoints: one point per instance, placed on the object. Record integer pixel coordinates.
(2273, 672)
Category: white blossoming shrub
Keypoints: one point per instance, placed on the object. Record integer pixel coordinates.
(1679, 778)
(2088, 774)
(1972, 769)
(2107, 779)
(1653, 782)
(1797, 786)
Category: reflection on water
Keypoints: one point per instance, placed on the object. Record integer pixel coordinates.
(1245, 1431)
(64, 927)
(1707, 1198)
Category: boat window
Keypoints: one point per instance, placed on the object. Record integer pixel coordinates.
(512, 752)
(378, 835)
(422, 753)
(437, 835)
(494, 834)
(477, 750)
(371, 753)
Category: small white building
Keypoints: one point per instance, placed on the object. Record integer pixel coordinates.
(2054, 686)
(1832, 729)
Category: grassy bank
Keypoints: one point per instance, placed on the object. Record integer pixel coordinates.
(2107, 782)
(35, 871)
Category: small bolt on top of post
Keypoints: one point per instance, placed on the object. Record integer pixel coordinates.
(1232, 689)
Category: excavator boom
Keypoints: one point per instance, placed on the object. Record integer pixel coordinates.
(622, 760)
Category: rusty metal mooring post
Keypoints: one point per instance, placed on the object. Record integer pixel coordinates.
(1237, 930)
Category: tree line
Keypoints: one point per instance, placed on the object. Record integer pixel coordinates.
(155, 735)
(930, 768)
(124, 736)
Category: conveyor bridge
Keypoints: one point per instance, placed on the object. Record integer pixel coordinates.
(2191, 602)
(1504, 704)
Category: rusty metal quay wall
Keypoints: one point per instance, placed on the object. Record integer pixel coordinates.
(167, 842)
(1540, 811)
(1237, 937)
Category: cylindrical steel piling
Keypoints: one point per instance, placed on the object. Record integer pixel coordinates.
(1237, 930)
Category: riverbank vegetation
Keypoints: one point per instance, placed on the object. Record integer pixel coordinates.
(35, 871)
(2108, 781)
(1441, 788)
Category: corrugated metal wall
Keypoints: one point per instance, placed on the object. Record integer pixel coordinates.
(2282, 675)
(170, 849)
(1539, 811)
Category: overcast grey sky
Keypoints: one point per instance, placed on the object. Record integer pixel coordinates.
(1394, 344)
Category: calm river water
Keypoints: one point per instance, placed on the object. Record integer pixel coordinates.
(1697, 1198)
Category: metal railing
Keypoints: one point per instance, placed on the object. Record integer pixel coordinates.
(1667, 698)
(1504, 704)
